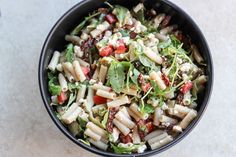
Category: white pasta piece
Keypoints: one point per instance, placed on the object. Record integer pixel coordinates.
(134, 107)
(62, 82)
(187, 119)
(70, 110)
(81, 93)
(99, 29)
(187, 98)
(123, 109)
(162, 37)
(125, 130)
(174, 112)
(84, 36)
(96, 129)
(83, 63)
(158, 19)
(185, 67)
(95, 74)
(166, 119)
(88, 132)
(54, 61)
(135, 136)
(153, 55)
(154, 76)
(138, 7)
(74, 39)
(132, 114)
(177, 129)
(89, 98)
(153, 134)
(78, 71)
(130, 91)
(101, 87)
(115, 135)
(124, 120)
(78, 51)
(102, 73)
(59, 67)
(72, 117)
(157, 138)
(118, 102)
(157, 115)
(67, 66)
(162, 142)
(168, 29)
(197, 56)
(69, 76)
(99, 144)
(106, 94)
(182, 109)
(138, 27)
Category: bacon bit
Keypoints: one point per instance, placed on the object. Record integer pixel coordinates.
(165, 79)
(111, 116)
(186, 87)
(85, 47)
(110, 18)
(150, 127)
(180, 36)
(126, 139)
(166, 21)
(132, 34)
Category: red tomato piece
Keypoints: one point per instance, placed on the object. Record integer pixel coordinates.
(150, 127)
(126, 139)
(186, 87)
(99, 100)
(121, 47)
(61, 98)
(105, 51)
(85, 70)
(110, 18)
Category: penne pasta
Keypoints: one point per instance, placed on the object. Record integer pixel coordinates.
(153, 134)
(187, 119)
(89, 99)
(157, 116)
(154, 76)
(98, 144)
(96, 129)
(132, 114)
(168, 120)
(78, 71)
(134, 107)
(102, 73)
(88, 132)
(83, 63)
(125, 130)
(124, 120)
(81, 93)
(135, 136)
(118, 102)
(106, 94)
(162, 142)
(97, 86)
(54, 61)
(62, 82)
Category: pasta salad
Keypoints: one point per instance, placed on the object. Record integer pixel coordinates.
(127, 81)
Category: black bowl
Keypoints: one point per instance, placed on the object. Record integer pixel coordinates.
(55, 41)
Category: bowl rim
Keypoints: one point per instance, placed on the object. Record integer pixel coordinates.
(104, 153)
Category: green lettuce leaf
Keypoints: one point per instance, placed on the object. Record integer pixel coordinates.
(69, 53)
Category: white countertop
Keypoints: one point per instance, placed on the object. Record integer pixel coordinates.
(26, 128)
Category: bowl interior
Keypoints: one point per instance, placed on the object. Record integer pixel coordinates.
(55, 41)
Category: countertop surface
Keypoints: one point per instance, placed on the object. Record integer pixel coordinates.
(26, 128)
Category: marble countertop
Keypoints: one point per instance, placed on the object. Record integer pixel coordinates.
(26, 128)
